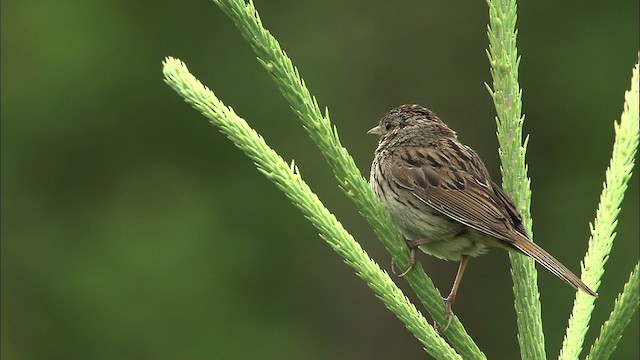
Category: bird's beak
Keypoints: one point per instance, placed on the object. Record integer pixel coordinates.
(376, 131)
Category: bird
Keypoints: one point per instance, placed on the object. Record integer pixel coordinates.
(439, 194)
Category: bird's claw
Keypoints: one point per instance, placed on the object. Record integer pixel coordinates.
(448, 313)
(412, 261)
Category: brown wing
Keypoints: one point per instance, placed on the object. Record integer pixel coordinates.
(461, 190)
(511, 209)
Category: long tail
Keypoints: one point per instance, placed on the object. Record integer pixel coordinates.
(543, 258)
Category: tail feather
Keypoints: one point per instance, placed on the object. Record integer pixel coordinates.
(545, 259)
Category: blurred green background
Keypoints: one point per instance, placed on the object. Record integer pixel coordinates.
(131, 229)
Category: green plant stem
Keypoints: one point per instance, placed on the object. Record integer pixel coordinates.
(287, 178)
(625, 306)
(277, 63)
(603, 230)
(507, 97)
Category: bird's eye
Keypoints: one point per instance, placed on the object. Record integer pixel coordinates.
(387, 127)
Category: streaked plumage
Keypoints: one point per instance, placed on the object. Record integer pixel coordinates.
(440, 194)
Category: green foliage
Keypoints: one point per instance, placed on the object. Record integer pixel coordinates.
(625, 306)
(603, 230)
(507, 97)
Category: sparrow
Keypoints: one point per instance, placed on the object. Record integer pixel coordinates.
(441, 197)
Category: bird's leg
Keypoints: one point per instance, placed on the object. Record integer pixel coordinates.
(413, 245)
(448, 301)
